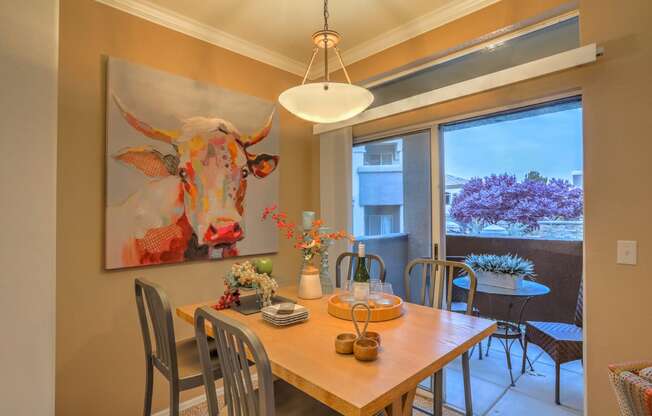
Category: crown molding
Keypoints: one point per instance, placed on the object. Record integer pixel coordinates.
(187, 26)
(415, 27)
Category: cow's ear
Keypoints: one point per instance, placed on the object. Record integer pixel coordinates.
(149, 161)
(262, 164)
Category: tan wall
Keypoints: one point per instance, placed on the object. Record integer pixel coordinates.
(617, 97)
(28, 134)
(100, 362)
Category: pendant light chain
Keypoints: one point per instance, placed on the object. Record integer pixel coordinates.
(326, 15)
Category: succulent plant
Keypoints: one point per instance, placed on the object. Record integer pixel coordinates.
(509, 264)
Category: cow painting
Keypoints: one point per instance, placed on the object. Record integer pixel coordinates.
(192, 204)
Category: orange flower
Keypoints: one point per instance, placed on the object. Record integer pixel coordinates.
(268, 211)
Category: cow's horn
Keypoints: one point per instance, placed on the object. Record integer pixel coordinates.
(260, 134)
(141, 126)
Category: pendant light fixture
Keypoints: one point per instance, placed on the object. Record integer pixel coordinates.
(326, 101)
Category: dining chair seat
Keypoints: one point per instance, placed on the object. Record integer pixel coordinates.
(189, 364)
(555, 331)
(291, 401)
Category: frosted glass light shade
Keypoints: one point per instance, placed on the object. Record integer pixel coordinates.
(314, 103)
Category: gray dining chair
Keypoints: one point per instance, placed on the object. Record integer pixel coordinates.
(435, 289)
(177, 361)
(377, 272)
(237, 348)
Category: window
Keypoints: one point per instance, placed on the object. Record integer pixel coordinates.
(516, 174)
(381, 154)
(382, 219)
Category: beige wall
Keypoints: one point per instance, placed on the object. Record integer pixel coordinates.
(99, 352)
(617, 97)
(100, 361)
(28, 123)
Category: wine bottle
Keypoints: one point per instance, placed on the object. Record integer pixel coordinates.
(361, 277)
(361, 273)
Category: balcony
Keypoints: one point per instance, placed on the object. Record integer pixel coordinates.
(559, 266)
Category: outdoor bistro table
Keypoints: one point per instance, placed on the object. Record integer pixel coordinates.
(510, 330)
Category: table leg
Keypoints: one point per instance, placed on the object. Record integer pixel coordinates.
(402, 406)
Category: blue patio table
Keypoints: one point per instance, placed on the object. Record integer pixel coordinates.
(509, 331)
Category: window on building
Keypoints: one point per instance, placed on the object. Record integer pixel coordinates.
(381, 154)
(382, 219)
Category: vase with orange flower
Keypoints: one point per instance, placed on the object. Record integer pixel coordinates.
(312, 240)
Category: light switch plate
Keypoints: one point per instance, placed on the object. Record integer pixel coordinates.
(626, 252)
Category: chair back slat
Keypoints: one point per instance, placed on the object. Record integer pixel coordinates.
(154, 312)
(436, 279)
(579, 308)
(233, 341)
(376, 267)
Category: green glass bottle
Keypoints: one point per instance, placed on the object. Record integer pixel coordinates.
(361, 277)
(361, 273)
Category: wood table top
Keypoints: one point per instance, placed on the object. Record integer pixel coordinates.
(413, 347)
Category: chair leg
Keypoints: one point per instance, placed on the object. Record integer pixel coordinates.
(480, 350)
(174, 399)
(149, 388)
(524, 355)
(557, 365)
(486, 354)
(509, 363)
(466, 370)
(437, 382)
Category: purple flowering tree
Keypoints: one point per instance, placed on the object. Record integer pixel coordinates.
(520, 205)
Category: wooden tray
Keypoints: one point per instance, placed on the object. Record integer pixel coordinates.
(379, 313)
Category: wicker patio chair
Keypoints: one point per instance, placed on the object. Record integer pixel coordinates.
(561, 341)
(633, 385)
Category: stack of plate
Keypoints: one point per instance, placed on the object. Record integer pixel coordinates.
(300, 314)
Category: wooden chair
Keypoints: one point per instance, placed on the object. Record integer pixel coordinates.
(178, 361)
(353, 262)
(632, 383)
(241, 395)
(435, 284)
(561, 341)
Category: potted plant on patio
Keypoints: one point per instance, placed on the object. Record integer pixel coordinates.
(505, 271)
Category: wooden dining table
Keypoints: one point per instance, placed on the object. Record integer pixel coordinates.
(413, 347)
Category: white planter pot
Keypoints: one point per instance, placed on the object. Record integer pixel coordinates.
(499, 280)
(309, 284)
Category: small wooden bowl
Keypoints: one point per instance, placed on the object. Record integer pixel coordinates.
(365, 349)
(344, 343)
(373, 335)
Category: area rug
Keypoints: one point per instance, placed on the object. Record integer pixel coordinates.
(420, 401)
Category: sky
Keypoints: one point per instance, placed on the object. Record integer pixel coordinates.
(548, 143)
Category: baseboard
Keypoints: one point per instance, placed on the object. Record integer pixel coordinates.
(188, 403)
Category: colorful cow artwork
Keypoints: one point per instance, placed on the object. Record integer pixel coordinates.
(193, 201)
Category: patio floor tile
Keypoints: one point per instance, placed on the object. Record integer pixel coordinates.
(484, 393)
(514, 403)
(540, 384)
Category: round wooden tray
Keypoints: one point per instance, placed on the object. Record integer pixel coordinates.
(379, 313)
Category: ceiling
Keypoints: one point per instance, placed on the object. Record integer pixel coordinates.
(278, 31)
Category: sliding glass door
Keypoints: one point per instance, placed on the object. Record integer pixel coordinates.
(392, 200)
